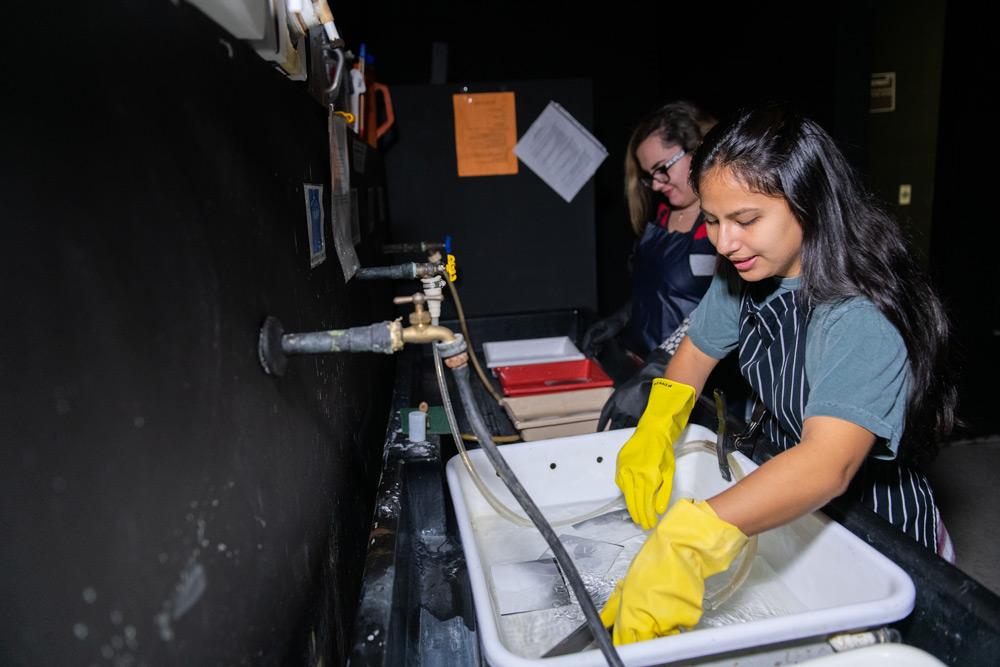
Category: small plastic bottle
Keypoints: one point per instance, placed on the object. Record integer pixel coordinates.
(418, 426)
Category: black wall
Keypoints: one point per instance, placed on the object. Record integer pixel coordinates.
(637, 56)
(520, 247)
(964, 240)
(903, 143)
(165, 502)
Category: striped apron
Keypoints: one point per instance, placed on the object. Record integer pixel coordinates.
(772, 357)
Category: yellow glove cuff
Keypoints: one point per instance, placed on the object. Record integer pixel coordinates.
(665, 585)
(695, 526)
(669, 406)
(645, 466)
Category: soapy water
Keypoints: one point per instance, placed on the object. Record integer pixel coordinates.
(504, 546)
(762, 595)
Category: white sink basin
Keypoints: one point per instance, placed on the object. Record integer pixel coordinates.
(814, 577)
(897, 655)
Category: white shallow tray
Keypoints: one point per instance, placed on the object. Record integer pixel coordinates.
(530, 351)
(841, 582)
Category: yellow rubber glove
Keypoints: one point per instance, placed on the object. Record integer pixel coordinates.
(665, 584)
(645, 469)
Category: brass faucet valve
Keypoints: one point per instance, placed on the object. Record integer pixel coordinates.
(419, 317)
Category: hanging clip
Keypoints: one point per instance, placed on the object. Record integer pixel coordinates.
(338, 72)
(720, 441)
(744, 442)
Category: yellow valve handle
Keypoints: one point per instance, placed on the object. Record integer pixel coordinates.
(451, 268)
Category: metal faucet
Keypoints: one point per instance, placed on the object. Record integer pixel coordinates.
(274, 346)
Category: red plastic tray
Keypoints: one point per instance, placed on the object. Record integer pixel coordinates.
(551, 377)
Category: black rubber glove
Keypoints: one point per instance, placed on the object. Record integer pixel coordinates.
(604, 330)
(625, 405)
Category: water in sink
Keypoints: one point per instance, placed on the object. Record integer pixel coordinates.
(544, 617)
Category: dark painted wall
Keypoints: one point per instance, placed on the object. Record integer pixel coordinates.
(637, 56)
(165, 502)
(964, 240)
(902, 143)
(520, 247)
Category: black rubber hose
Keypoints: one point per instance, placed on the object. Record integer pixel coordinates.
(508, 477)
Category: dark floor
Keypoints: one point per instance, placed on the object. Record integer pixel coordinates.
(965, 477)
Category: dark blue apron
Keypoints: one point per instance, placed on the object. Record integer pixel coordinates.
(772, 356)
(671, 272)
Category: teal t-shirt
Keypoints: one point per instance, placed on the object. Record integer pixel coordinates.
(856, 361)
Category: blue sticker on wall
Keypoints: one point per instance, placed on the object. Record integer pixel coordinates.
(314, 223)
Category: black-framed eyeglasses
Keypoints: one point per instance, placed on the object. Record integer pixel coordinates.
(660, 174)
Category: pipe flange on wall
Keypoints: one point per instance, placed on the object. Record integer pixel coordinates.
(272, 358)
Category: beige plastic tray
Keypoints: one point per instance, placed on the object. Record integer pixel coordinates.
(559, 414)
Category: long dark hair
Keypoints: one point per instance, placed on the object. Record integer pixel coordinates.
(680, 123)
(850, 247)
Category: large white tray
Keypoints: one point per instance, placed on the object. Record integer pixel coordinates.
(842, 583)
(530, 351)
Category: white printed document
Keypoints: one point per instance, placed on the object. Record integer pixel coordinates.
(560, 151)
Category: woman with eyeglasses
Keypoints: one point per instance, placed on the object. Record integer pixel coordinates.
(672, 262)
(843, 341)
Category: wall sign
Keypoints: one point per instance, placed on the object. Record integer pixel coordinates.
(883, 92)
(314, 223)
(485, 134)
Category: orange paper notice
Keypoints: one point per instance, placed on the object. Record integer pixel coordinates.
(485, 134)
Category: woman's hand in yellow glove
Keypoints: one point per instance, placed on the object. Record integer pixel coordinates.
(664, 587)
(645, 468)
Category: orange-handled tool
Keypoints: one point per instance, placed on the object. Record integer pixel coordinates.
(373, 131)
